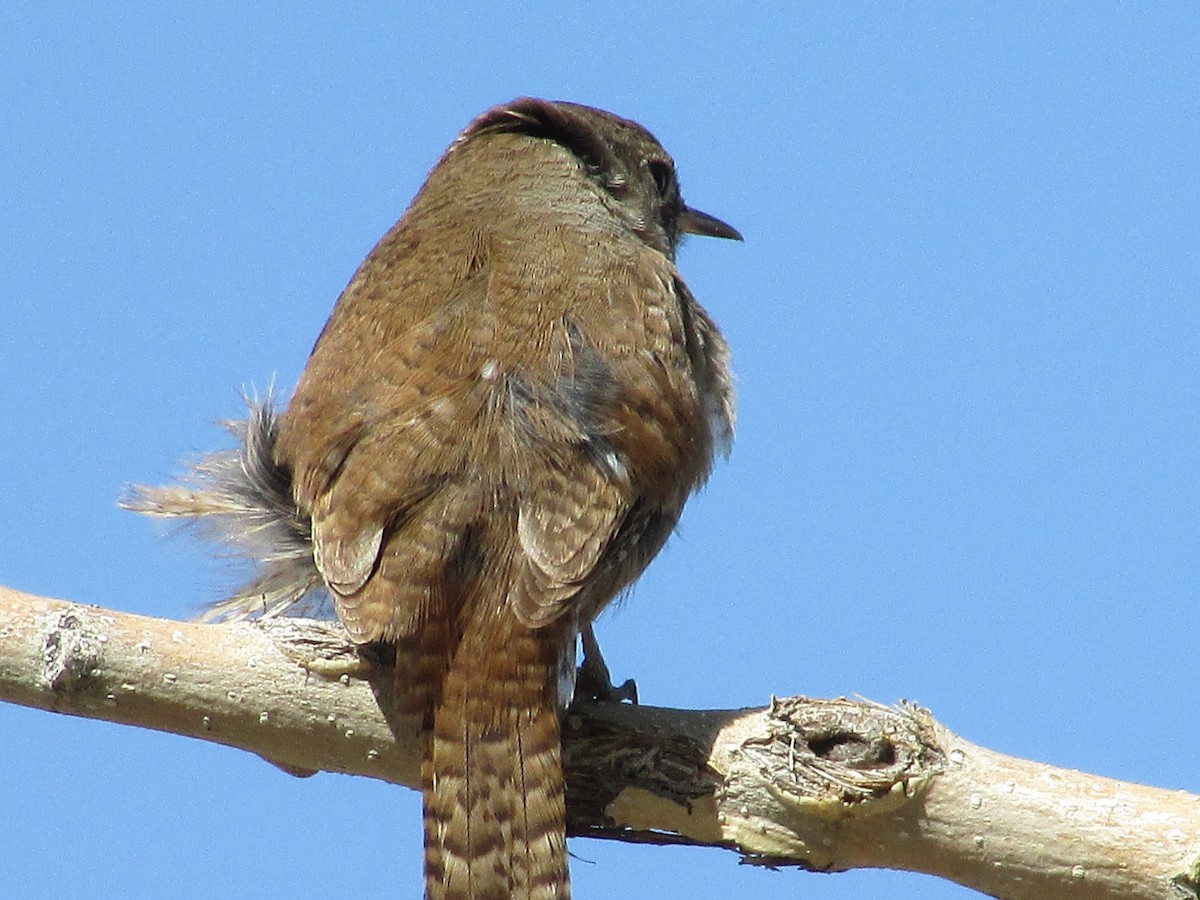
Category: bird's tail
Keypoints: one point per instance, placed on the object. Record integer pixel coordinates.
(242, 498)
(493, 780)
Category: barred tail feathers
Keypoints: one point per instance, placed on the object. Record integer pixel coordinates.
(494, 813)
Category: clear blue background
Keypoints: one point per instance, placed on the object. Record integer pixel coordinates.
(967, 340)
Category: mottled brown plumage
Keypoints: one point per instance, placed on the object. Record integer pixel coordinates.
(496, 432)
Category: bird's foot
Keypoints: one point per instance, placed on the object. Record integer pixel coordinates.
(594, 681)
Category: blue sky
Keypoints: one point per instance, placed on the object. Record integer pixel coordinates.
(965, 328)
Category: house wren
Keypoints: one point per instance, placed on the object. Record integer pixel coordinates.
(495, 433)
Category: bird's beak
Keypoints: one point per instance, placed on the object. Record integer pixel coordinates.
(692, 221)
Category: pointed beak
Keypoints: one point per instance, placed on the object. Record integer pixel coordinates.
(692, 221)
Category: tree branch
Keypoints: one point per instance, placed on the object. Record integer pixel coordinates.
(821, 784)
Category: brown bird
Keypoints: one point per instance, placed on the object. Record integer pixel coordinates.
(495, 433)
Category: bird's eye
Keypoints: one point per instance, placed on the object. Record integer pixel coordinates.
(664, 177)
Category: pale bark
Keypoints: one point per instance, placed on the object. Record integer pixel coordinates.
(823, 784)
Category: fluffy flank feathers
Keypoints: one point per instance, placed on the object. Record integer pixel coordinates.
(242, 498)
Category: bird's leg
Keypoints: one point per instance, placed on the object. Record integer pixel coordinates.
(594, 681)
